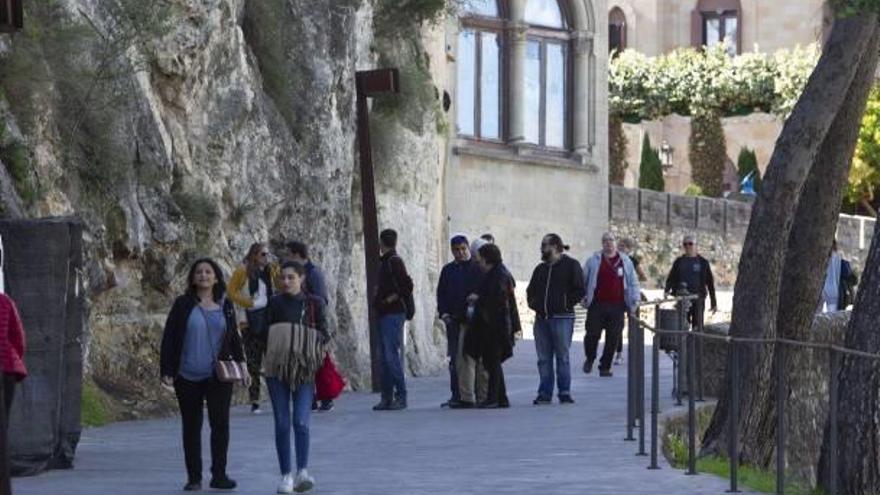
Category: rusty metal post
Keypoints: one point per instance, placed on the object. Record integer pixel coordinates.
(371, 83)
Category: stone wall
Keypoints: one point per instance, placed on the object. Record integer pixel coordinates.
(808, 376)
(658, 221)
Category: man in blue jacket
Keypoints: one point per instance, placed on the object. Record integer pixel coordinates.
(612, 290)
(458, 279)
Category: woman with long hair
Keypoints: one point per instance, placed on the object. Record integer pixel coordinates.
(251, 287)
(495, 323)
(201, 329)
(297, 342)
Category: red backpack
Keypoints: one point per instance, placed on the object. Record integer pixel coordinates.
(328, 382)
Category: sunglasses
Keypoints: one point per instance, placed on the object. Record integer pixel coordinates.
(264, 255)
(688, 243)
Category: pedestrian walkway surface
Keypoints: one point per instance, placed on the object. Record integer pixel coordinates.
(526, 449)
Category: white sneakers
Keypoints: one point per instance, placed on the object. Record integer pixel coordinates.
(301, 483)
(286, 485)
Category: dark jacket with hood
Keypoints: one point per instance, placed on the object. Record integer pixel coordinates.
(555, 289)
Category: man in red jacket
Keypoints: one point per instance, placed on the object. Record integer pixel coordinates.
(12, 370)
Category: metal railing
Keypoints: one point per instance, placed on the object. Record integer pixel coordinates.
(690, 339)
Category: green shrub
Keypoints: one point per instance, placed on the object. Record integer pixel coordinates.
(650, 169)
(93, 409)
(197, 207)
(16, 158)
(693, 190)
(708, 153)
(746, 163)
(688, 81)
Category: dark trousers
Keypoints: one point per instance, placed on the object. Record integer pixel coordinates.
(255, 347)
(191, 396)
(608, 317)
(453, 333)
(497, 390)
(6, 393)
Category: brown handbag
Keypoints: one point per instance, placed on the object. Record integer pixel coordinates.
(226, 368)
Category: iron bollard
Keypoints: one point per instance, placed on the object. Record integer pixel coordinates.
(733, 426)
(692, 408)
(655, 399)
(780, 419)
(832, 423)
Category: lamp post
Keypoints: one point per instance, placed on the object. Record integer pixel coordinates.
(371, 83)
(11, 15)
(666, 154)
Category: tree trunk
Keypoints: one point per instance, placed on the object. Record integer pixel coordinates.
(757, 289)
(858, 381)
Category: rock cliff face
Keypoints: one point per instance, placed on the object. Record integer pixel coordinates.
(231, 122)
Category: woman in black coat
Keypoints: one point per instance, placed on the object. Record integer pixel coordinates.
(495, 324)
(201, 328)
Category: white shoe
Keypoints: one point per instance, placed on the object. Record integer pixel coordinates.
(618, 360)
(286, 485)
(303, 481)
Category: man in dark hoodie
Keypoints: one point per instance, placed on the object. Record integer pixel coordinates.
(556, 286)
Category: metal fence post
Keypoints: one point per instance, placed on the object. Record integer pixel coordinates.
(690, 339)
(780, 418)
(655, 398)
(699, 356)
(630, 388)
(733, 426)
(640, 382)
(832, 422)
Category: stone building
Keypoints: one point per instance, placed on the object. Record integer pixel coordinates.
(528, 148)
(655, 27)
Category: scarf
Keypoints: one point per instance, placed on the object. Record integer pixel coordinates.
(294, 353)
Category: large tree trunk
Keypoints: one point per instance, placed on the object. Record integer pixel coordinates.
(858, 405)
(757, 289)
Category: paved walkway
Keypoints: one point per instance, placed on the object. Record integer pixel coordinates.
(425, 450)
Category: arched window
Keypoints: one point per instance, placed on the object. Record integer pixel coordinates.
(616, 30)
(717, 21)
(479, 71)
(546, 74)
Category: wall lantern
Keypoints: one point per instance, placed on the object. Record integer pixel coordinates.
(666, 154)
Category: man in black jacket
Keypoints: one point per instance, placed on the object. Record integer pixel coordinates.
(393, 301)
(556, 286)
(692, 272)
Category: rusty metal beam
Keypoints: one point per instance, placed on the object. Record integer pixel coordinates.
(371, 83)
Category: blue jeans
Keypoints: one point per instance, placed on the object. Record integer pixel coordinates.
(281, 395)
(553, 340)
(391, 332)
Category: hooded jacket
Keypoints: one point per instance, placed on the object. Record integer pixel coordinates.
(555, 289)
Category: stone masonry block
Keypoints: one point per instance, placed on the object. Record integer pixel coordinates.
(737, 218)
(682, 211)
(710, 215)
(624, 204)
(653, 206)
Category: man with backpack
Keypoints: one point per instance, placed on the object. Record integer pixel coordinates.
(394, 305)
